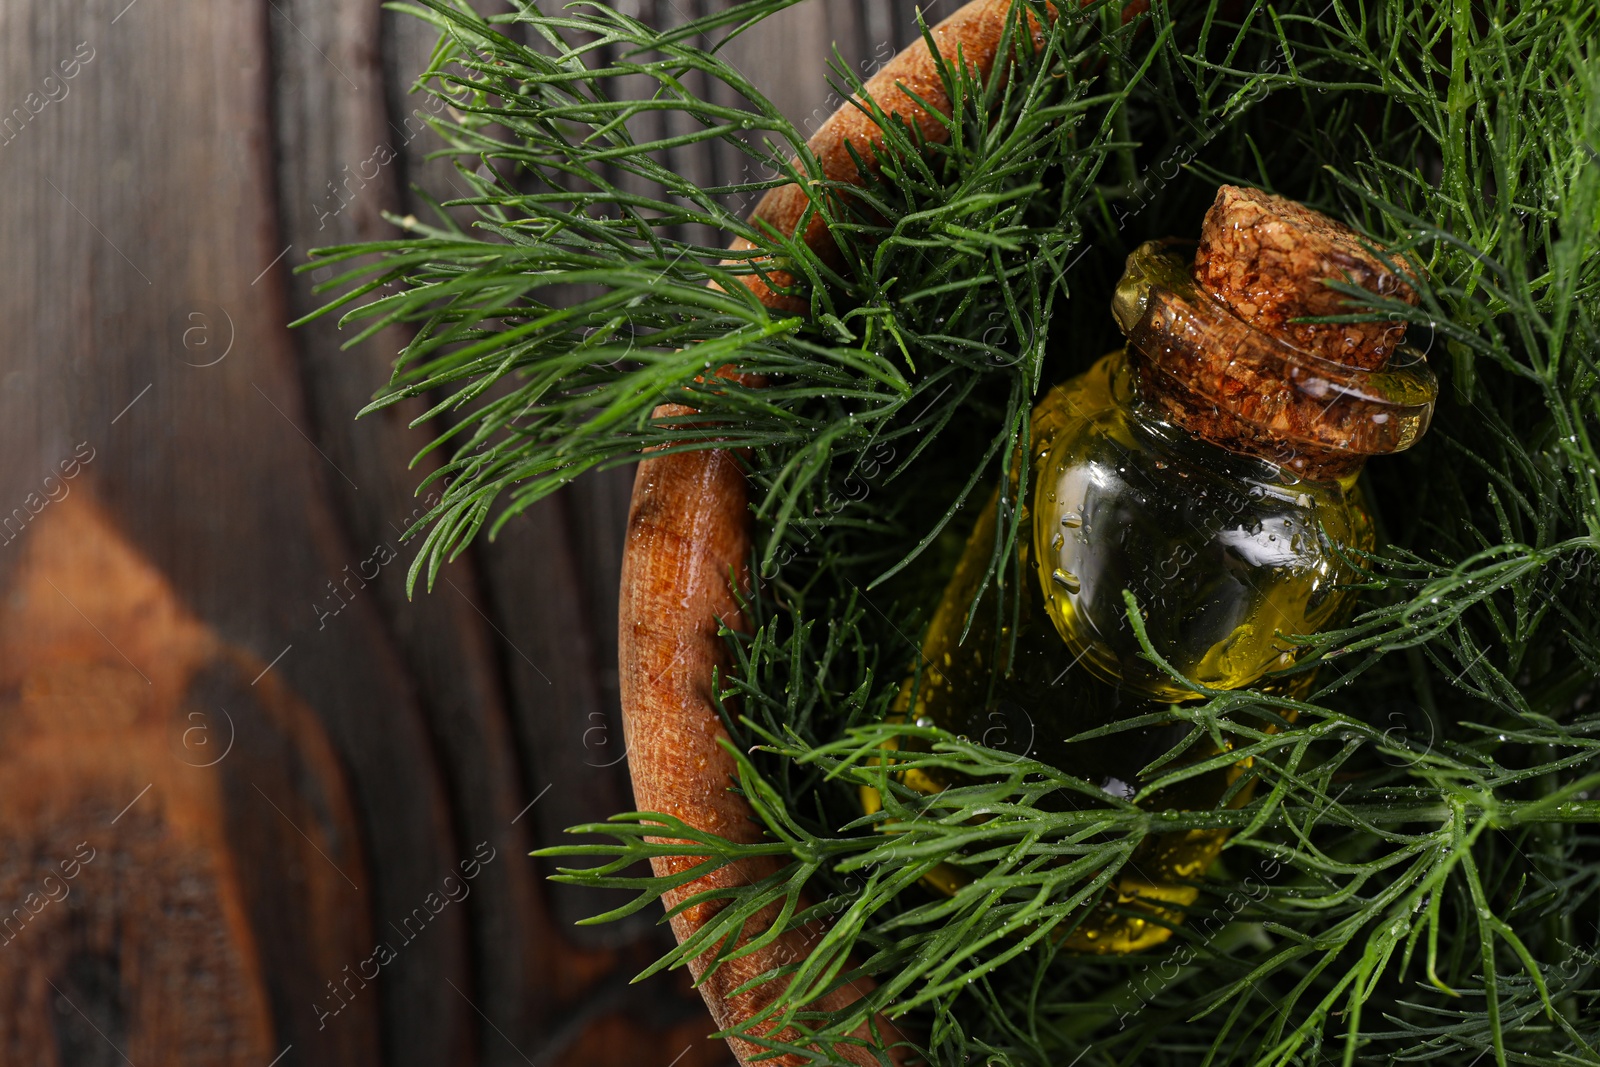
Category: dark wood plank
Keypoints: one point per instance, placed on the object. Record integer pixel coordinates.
(326, 133)
(138, 201)
(182, 863)
(158, 198)
(458, 640)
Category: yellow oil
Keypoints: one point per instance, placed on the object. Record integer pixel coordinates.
(1226, 555)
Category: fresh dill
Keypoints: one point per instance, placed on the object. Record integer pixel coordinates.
(1416, 875)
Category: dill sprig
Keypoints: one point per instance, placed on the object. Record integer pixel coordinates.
(1415, 874)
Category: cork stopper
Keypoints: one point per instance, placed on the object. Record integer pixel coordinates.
(1267, 258)
(1213, 352)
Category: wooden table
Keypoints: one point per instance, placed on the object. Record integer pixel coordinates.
(253, 802)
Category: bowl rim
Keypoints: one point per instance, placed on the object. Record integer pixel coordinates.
(685, 558)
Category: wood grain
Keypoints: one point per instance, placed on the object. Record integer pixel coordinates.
(338, 168)
(157, 201)
(161, 814)
(142, 241)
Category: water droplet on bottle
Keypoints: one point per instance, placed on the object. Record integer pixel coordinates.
(1071, 520)
(1065, 580)
(1057, 541)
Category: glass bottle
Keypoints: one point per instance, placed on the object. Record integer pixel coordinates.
(1210, 467)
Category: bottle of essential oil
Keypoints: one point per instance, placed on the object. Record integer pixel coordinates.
(1209, 467)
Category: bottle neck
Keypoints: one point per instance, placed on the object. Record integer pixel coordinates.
(1197, 366)
(1160, 398)
(1169, 427)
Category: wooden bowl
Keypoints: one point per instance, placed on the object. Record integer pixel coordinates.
(689, 534)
